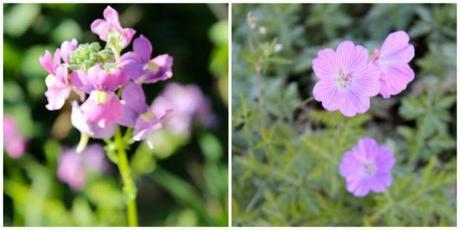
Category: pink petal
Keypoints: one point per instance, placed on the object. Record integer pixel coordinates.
(395, 79)
(101, 28)
(92, 129)
(350, 56)
(326, 91)
(105, 112)
(396, 47)
(111, 16)
(325, 64)
(366, 80)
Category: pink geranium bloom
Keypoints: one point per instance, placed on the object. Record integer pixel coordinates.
(392, 59)
(367, 167)
(138, 65)
(111, 24)
(347, 80)
(13, 141)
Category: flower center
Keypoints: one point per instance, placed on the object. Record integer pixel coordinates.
(152, 66)
(375, 55)
(344, 79)
(101, 97)
(147, 116)
(368, 169)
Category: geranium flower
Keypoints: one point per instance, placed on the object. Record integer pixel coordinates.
(392, 59)
(138, 65)
(111, 24)
(367, 167)
(346, 79)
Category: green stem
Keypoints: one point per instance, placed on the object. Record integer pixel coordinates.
(128, 184)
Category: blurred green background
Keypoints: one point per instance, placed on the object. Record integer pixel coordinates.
(286, 155)
(185, 186)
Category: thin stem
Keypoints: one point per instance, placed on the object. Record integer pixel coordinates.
(306, 101)
(116, 55)
(128, 185)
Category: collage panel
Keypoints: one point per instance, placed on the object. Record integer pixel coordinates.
(115, 114)
(344, 114)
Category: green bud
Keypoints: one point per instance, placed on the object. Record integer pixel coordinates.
(85, 56)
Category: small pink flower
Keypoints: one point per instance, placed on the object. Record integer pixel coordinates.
(111, 24)
(153, 119)
(50, 63)
(138, 65)
(13, 141)
(392, 59)
(67, 47)
(58, 88)
(102, 108)
(133, 101)
(367, 167)
(102, 79)
(347, 80)
(73, 167)
(92, 129)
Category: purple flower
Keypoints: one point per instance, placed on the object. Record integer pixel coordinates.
(67, 47)
(153, 119)
(92, 129)
(392, 60)
(367, 167)
(74, 167)
(188, 102)
(140, 68)
(133, 101)
(111, 24)
(346, 80)
(13, 141)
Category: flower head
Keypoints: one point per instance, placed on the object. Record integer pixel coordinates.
(110, 26)
(347, 80)
(14, 142)
(392, 60)
(367, 167)
(74, 167)
(152, 120)
(141, 68)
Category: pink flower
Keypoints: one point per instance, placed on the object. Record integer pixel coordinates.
(392, 60)
(138, 65)
(102, 108)
(73, 167)
(58, 88)
(188, 102)
(13, 141)
(152, 120)
(50, 63)
(111, 24)
(67, 47)
(92, 129)
(367, 167)
(347, 80)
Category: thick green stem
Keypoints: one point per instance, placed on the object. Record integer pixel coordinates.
(128, 185)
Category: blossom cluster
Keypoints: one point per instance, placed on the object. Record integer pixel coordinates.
(108, 83)
(349, 76)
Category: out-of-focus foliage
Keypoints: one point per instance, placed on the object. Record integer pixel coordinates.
(182, 182)
(286, 155)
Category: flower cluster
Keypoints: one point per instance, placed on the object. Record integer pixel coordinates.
(14, 142)
(109, 84)
(349, 76)
(73, 167)
(367, 167)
